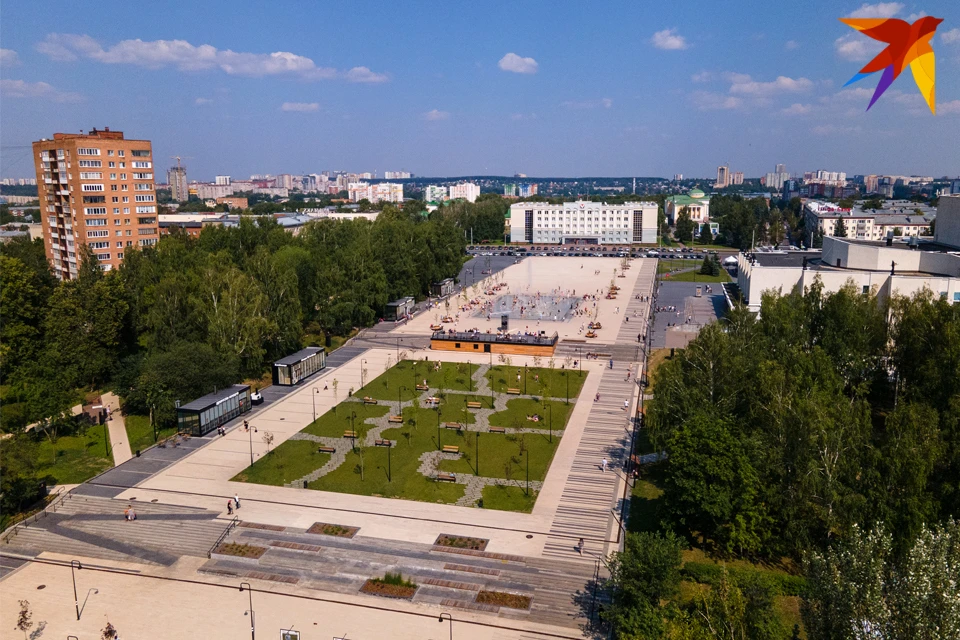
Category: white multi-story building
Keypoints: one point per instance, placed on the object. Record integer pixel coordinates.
(397, 175)
(466, 191)
(583, 223)
(433, 193)
(222, 180)
(213, 191)
(381, 192)
(899, 219)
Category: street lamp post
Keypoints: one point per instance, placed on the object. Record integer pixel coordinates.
(450, 618)
(315, 392)
(250, 433)
(400, 400)
(353, 431)
(550, 422)
(399, 340)
(75, 564)
(253, 633)
(389, 445)
(524, 378)
(478, 453)
(470, 374)
(106, 441)
(438, 427)
(580, 360)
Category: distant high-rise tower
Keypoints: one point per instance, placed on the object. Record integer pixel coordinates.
(177, 179)
(97, 190)
(738, 177)
(677, 177)
(723, 177)
(781, 168)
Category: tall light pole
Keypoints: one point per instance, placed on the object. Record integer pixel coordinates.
(400, 400)
(399, 340)
(75, 564)
(253, 632)
(363, 364)
(550, 409)
(353, 431)
(438, 427)
(315, 392)
(478, 453)
(450, 618)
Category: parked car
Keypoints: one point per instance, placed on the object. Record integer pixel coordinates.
(256, 398)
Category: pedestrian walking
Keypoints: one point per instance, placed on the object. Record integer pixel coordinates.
(580, 546)
(626, 405)
(229, 507)
(603, 465)
(236, 500)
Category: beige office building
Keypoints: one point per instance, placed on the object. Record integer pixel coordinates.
(95, 189)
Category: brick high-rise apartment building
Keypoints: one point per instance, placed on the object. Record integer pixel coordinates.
(95, 189)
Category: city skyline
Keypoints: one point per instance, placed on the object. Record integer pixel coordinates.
(529, 95)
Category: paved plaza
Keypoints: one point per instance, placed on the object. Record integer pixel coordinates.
(311, 582)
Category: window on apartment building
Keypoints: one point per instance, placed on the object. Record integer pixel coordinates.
(83, 151)
(120, 153)
(128, 233)
(118, 233)
(117, 222)
(126, 210)
(103, 256)
(113, 187)
(113, 176)
(124, 187)
(109, 152)
(140, 153)
(114, 199)
(91, 175)
(116, 210)
(144, 198)
(143, 176)
(126, 199)
(141, 165)
(91, 187)
(129, 242)
(112, 165)
(90, 163)
(94, 199)
(96, 222)
(97, 234)
(123, 165)
(99, 245)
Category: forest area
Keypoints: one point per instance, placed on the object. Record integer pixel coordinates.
(813, 452)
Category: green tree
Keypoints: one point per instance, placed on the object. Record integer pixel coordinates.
(684, 226)
(706, 235)
(644, 574)
(840, 229)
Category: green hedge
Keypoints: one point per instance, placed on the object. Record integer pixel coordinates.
(781, 583)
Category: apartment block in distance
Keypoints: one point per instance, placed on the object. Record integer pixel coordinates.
(95, 189)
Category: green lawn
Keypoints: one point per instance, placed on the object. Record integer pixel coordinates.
(140, 433)
(666, 265)
(74, 459)
(401, 379)
(291, 460)
(508, 498)
(500, 455)
(515, 417)
(332, 424)
(552, 383)
(694, 276)
(395, 472)
(416, 436)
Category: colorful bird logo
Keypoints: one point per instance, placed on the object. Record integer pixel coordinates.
(906, 44)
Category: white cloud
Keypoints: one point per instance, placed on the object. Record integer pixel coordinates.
(516, 64)
(703, 76)
(363, 74)
(856, 47)
(523, 116)
(21, 89)
(435, 114)
(302, 107)
(797, 109)
(744, 84)
(951, 37)
(184, 56)
(832, 130)
(857, 94)
(913, 17)
(708, 101)
(202, 101)
(951, 107)
(879, 10)
(9, 58)
(669, 40)
(606, 103)
(790, 45)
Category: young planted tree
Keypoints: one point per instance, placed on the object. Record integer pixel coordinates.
(24, 618)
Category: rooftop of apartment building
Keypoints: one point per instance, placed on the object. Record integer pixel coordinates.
(93, 134)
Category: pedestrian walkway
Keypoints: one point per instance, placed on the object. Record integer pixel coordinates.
(119, 442)
(590, 493)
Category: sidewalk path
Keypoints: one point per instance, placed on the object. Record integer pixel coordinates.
(119, 442)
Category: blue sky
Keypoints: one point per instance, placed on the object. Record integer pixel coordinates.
(552, 88)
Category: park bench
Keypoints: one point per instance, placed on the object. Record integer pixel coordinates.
(497, 430)
(369, 400)
(446, 477)
(349, 434)
(474, 405)
(326, 449)
(436, 327)
(433, 400)
(451, 448)
(396, 419)
(384, 443)
(423, 387)
(513, 392)
(452, 425)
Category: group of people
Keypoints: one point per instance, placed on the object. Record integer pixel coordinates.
(233, 504)
(129, 514)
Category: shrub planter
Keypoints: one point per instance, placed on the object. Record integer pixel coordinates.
(337, 530)
(461, 542)
(392, 585)
(236, 552)
(502, 599)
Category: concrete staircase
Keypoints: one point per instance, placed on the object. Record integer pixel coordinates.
(93, 527)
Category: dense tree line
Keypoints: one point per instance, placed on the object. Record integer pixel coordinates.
(786, 431)
(745, 221)
(192, 313)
